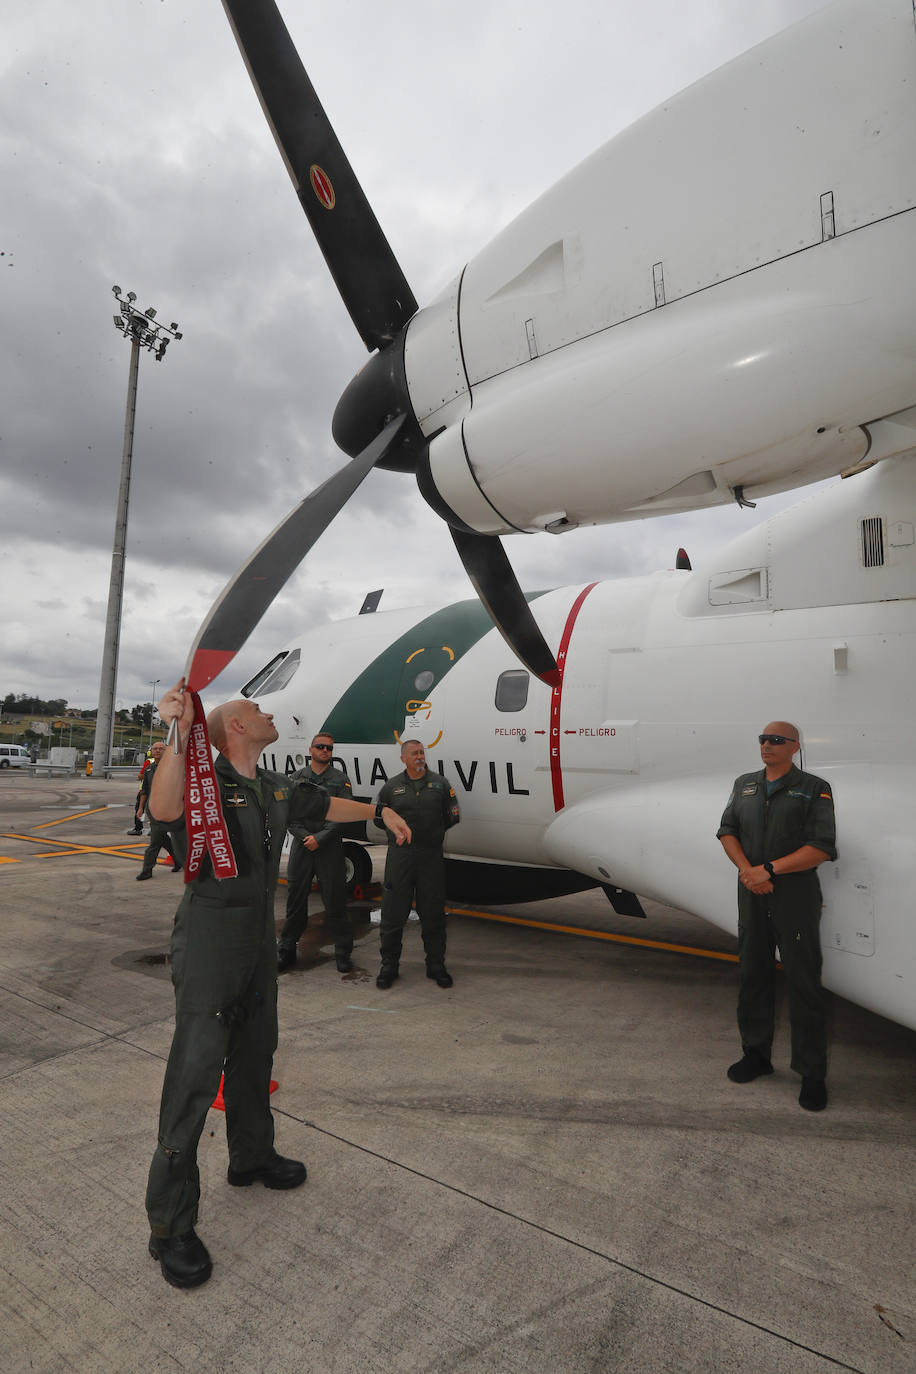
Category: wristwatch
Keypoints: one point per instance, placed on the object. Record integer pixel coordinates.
(769, 868)
(379, 808)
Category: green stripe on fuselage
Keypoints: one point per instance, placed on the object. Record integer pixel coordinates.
(373, 707)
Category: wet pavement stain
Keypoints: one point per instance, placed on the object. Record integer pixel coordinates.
(311, 952)
(157, 962)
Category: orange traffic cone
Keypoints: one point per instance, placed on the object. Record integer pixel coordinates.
(218, 1102)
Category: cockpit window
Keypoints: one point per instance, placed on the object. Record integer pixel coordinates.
(277, 674)
(512, 690)
(251, 688)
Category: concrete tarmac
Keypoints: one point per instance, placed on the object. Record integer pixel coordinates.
(542, 1169)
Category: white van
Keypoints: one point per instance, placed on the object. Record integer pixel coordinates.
(14, 756)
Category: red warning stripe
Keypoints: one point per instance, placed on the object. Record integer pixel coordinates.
(206, 665)
(556, 700)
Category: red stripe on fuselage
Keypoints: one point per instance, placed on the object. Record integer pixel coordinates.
(556, 700)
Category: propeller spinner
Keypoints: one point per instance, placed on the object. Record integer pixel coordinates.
(375, 420)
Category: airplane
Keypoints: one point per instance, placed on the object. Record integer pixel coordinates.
(716, 305)
(618, 774)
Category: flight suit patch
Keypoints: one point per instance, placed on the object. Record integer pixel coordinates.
(281, 794)
(235, 799)
(750, 790)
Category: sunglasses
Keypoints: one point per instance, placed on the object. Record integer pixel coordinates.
(323, 746)
(776, 739)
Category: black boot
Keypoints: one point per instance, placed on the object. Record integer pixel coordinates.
(386, 975)
(440, 974)
(184, 1260)
(286, 956)
(751, 1065)
(813, 1095)
(276, 1173)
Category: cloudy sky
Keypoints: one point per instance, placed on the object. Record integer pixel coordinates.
(134, 152)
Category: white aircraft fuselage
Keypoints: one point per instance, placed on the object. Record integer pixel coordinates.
(621, 772)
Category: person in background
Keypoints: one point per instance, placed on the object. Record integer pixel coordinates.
(160, 836)
(317, 852)
(416, 872)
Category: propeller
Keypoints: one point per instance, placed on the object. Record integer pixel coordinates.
(374, 420)
(247, 595)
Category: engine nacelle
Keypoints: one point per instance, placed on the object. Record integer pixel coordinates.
(721, 298)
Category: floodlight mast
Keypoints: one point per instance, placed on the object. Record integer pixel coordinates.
(144, 331)
(152, 709)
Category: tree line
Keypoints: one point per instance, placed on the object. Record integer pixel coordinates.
(21, 704)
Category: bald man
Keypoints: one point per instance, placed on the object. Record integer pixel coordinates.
(777, 828)
(224, 970)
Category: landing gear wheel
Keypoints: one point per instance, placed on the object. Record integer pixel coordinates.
(357, 867)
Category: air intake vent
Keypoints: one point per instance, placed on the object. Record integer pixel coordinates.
(873, 542)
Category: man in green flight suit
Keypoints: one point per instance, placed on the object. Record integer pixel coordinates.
(777, 827)
(417, 870)
(317, 851)
(224, 970)
(159, 836)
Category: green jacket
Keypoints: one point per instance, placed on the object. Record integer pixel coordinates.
(146, 783)
(427, 804)
(335, 783)
(798, 811)
(258, 812)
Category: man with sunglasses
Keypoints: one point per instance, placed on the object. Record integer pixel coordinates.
(777, 828)
(317, 852)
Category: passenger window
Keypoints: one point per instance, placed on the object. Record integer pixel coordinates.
(512, 690)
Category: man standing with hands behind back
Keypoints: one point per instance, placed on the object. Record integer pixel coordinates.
(426, 801)
(317, 851)
(777, 827)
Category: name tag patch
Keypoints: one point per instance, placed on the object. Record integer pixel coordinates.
(750, 790)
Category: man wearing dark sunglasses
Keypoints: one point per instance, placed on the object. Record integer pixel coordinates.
(777, 827)
(317, 852)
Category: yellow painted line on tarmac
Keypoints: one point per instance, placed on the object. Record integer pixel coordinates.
(75, 817)
(598, 935)
(120, 851)
(9, 861)
(116, 850)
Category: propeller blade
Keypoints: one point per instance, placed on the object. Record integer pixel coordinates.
(490, 571)
(247, 595)
(365, 270)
